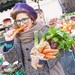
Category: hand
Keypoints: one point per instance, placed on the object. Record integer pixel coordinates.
(43, 46)
(35, 61)
(10, 35)
(35, 52)
(47, 51)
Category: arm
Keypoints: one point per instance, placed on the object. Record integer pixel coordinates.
(51, 62)
(13, 53)
(12, 48)
(44, 29)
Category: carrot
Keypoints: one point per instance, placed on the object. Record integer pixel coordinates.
(19, 29)
(50, 51)
(41, 49)
(50, 56)
(42, 46)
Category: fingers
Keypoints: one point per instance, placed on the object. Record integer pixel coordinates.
(10, 35)
(34, 61)
(43, 46)
(47, 51)
(41, 49)
(34, 65)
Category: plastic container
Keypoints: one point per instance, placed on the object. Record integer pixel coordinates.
(1, 58)
(20, 72)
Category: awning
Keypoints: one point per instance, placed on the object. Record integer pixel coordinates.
(7, 4)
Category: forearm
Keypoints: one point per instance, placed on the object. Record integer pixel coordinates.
(10, 55)
(8, 45)
(10, 52)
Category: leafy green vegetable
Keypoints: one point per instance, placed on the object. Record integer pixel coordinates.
(61, 37)
(43, 38)
(36, 34)
(67, 15)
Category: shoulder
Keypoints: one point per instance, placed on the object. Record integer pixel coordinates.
(44, 28)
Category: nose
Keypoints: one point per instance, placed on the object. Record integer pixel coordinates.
(21, 24)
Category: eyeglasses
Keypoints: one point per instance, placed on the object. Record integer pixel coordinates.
(23, 20)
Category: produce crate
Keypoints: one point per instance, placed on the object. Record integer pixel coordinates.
(19, 72)
(5, 74)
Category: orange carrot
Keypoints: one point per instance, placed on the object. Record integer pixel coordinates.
(43, 46)
(41, 49)
(50, 56)
(19, 29)
(50, 51)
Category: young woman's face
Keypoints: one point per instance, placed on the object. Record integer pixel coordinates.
(23, 19)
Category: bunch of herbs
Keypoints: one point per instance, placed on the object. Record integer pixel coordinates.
(61, 37)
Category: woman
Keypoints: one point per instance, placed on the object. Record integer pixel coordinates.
(40, 17)
(19, 47)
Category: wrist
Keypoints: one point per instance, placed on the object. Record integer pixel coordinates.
(8, 45)
(9, 42)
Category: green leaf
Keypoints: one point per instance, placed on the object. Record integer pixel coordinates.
(55, 39)
(36, 34)
(43, 37)
(63, 38)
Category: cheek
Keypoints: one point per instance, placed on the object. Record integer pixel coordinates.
(30, 23)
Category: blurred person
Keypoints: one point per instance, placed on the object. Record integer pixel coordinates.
(53, 22)
(1, 26)
(2, 39)
(19, 45)
(40, 15)
(7, 22)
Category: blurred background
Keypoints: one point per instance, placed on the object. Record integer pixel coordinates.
(51, 8)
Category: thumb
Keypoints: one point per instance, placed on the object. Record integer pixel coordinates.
(5, 35)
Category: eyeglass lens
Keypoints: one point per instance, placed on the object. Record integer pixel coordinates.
(24, 20)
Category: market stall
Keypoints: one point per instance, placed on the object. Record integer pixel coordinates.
(7, 68)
